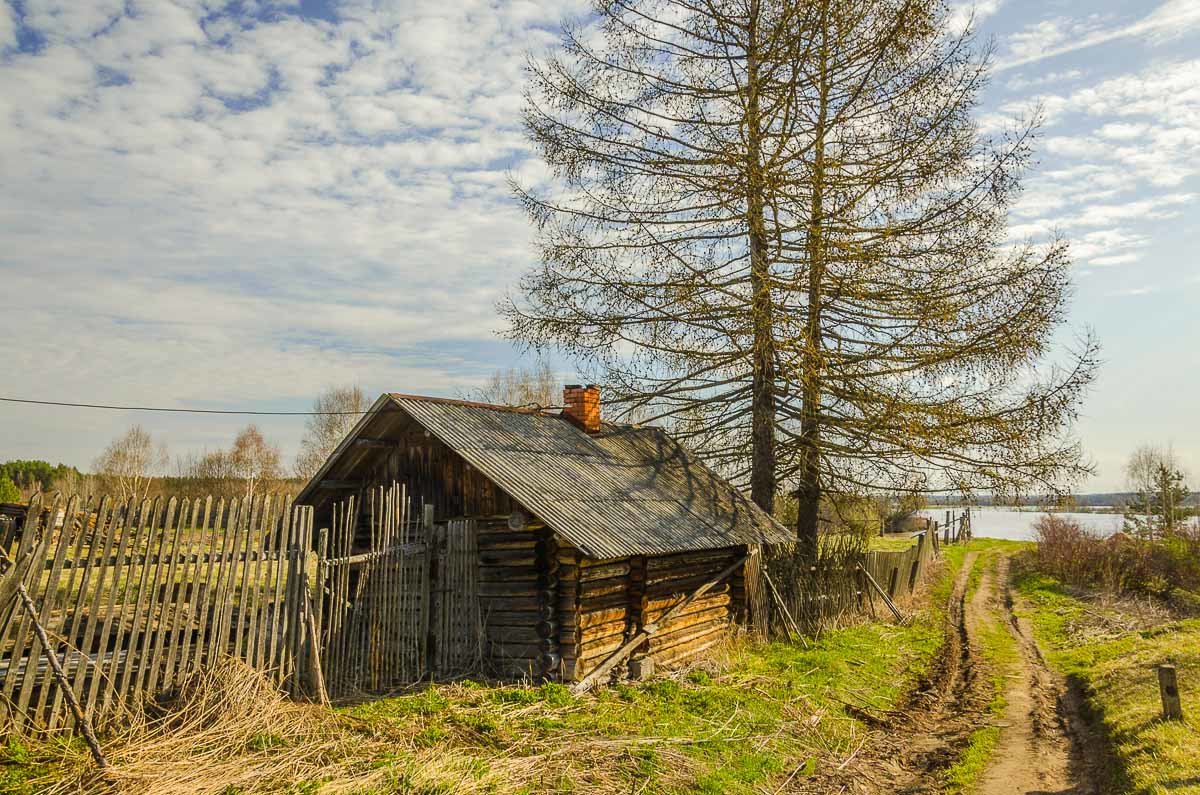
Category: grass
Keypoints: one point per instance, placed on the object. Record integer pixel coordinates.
(1113, 658)
(749, 718)
(771, 710)
(892, 543)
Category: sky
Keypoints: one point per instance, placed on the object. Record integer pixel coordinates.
(233, 204)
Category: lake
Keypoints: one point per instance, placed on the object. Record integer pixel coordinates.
(1017, 524)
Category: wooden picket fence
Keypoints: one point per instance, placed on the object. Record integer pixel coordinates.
(840, 583)
(136, 596)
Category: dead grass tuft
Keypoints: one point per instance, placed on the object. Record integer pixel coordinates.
(228, 729)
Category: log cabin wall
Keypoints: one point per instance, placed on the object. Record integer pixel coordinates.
(704, 622)
(605, 602)
(593, 609)
(511, 602)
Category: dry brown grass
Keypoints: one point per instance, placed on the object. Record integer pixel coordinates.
(230, 730)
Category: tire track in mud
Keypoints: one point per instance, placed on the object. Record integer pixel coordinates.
(1046, 744)
(1046, 747)
(925, 735)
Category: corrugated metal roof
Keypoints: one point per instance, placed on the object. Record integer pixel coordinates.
(624, 491)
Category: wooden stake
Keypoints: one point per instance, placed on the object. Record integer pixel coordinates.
(314, 642)
(1168, 688)
(783, 608)
(886, 599)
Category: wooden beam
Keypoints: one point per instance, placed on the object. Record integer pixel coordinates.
(339, 484)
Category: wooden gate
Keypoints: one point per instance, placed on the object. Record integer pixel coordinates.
(374, 596)
(399, 597)
(455, 637)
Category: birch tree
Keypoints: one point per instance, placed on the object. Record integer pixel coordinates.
(335, 411)
(253, 460)
(131, 461)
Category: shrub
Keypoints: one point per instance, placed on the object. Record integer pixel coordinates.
(1120, 562)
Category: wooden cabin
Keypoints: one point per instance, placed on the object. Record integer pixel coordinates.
(587, 531)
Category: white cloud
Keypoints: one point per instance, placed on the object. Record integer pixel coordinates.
(1050, 38)
(1134, 291)
(243, 209)
(8, 27)
(1123, 132)
(1115, 259)
(971, 13)
(1123, 151)
(1024, 81)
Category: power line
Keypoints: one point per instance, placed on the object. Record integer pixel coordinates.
(179, 411)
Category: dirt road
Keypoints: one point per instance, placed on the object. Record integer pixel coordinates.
(1044, 746)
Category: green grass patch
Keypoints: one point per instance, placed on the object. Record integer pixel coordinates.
(770, 710)
(892, 543)
(1118, 674)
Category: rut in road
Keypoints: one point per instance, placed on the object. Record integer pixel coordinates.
(909, 751)
(1044, 741)
(1044, 744)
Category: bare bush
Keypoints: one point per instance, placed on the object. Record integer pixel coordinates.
(1121, 563)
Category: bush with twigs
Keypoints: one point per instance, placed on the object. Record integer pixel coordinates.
(1121, 563)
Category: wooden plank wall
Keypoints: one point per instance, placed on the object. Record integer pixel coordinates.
(136, 596)
(605, 602)
(458, 632)
(436, 475)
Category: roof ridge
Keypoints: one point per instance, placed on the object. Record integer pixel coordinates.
(544, 411)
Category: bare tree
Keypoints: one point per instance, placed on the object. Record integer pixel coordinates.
(253, 460)
(131, 461)
(517, 386)
(335, 411)
(777, 224)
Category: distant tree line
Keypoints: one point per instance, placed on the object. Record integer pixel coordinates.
(30, 476)
(136, 465)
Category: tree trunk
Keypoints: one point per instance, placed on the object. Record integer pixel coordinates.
(762, 463)
(808, 492)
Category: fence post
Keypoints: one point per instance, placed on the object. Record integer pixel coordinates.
(1168, 688)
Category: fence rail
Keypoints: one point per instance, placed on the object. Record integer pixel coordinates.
(813, 595)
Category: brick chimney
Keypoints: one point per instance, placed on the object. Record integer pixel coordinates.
(582, 405)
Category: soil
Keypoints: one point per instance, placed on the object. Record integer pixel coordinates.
(1045, 747)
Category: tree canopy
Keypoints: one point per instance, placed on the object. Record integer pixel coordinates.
(777, 227)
